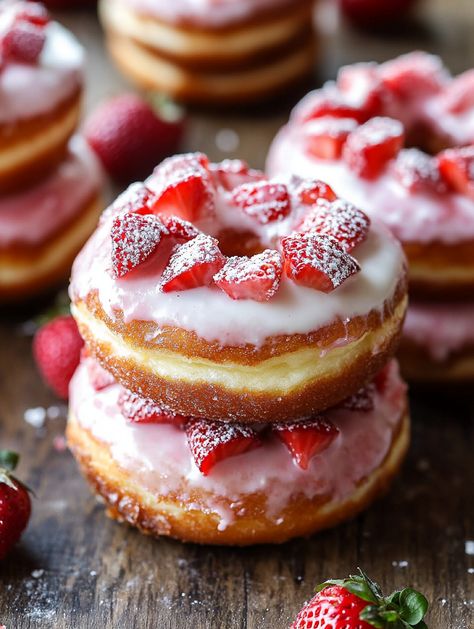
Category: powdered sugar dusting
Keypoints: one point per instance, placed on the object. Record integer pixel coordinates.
(263, 270)
(265, 201)
(134, 239)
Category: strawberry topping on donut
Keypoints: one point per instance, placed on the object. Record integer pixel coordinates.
(141, 410)
(256, 278)
(264, 201)
(457, 168)
(306, 438)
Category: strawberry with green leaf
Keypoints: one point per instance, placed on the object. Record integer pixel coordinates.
(15, 503)
(358, 603)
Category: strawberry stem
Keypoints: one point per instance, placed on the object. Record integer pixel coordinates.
(8, 460)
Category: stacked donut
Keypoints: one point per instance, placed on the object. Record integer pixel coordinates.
(237, 385)
(211, 51)
(352, 134)
(49, 183)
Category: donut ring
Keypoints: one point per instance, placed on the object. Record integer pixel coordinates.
(304, 351)
(226, 507)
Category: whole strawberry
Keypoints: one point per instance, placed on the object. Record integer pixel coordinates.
(57, 351)
(15, 504)
(358, 603)
(131, 138)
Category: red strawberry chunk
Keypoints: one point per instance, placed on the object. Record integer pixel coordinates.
(328, 102)
(309, 191)
(98, 376)
(231, 173)
(179, 228)
(457, 169)
(459, 95)
(139, 410)
(418, 172)
(317, 261)
(134, 239)
(212, 441)
(326, 136)
(371, 146)
(256, 278)
(264, 201)
(183, 187)
(23, 43)
(413, 75)
(306, 438)
(339, 219)
(363, 400)
(34, 13)
(193, 264)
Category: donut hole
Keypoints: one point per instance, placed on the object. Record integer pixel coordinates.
(234, 242)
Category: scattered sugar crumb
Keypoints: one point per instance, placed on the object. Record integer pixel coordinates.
(35, 416)
(93, 573)
(227, 140)
(470, 570)
(36, 574)
(469, 547)
(400, 564)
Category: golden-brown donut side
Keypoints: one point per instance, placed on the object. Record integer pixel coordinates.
(128, 501)
(259, 392)
(441, 270)
(31, 149)
(27, 271)
(250, 84)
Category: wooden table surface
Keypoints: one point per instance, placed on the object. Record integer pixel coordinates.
(76, 569)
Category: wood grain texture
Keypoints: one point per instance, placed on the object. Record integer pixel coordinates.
(75, 569)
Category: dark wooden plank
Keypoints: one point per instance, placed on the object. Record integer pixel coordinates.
(76, 569)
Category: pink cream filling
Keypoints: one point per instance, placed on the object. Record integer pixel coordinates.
(32, 216)
(440, 329)
(158, 457)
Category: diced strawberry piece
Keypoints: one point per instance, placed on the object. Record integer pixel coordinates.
(183, 187)
(458, 96)
(326, 136)
(309, 191)
(98, 376)
(457, 169)
(34, 13)
(212, 441)
(193, 264)
(306, 438)
(256, 278)
(317, 261)
(134, 239)
(339, 219)
(179, 228)
(328, 102)
(413, 75)
(363, 400)
(23, 43)
(418, 172)
(361, 84)
(136, 199)
(264, 201)
(139, 410)
(231, 173)
(371, 146)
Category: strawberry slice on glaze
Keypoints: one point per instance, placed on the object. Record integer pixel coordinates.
(310, 191)
(306, 438)
(192, 264)
(457, 169)
(317, 261)
(213, 441)
(263, 201)
(256, 278)
(325, 137)
(139, 410)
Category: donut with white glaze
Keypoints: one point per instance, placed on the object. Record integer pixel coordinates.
(151, 472)
(43, 227)
(41, 81)
(305, 321)
(208, 51)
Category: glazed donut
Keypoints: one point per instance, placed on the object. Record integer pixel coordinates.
(427, 201)
(43, 228)
(151, 475)
(211, 51)
(40, 93)
(238, 338)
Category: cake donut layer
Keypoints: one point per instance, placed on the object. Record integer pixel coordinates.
(204, 354)
(148, 477)
(43, 227)
(231, 56)
(438, 343)
(39, 104)
(436, 230)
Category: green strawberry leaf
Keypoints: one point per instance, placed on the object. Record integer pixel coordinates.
(413, 606)
(8, 460)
